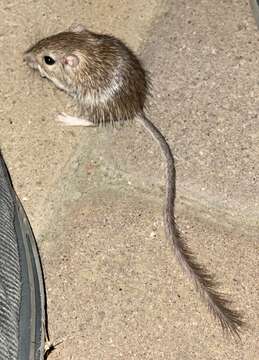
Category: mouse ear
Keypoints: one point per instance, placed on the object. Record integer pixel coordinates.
(77, 28)
(70, 60)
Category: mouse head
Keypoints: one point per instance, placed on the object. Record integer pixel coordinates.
(57, 57)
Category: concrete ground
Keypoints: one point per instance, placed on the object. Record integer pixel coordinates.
(95, 196)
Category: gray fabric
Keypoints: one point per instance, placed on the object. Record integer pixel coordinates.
(10, 288)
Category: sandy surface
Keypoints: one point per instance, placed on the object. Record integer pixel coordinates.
(94, 196)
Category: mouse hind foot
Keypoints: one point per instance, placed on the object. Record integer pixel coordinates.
(69, 120)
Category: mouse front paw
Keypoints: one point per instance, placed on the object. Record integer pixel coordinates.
(69, 120)
(62, 118)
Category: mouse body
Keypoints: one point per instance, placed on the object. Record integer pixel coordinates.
(99, 71)
(110, 85)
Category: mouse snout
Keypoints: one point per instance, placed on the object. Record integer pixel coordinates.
(30, 59)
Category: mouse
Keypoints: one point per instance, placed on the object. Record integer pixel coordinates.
(110, 86)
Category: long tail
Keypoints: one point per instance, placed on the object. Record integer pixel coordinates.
(218, 304)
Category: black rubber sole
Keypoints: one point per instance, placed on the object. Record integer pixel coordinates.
(23, 322)
(255, 9)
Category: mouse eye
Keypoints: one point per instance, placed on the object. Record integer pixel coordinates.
(48, 60)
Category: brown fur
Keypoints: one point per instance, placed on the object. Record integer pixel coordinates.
(103, 60)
